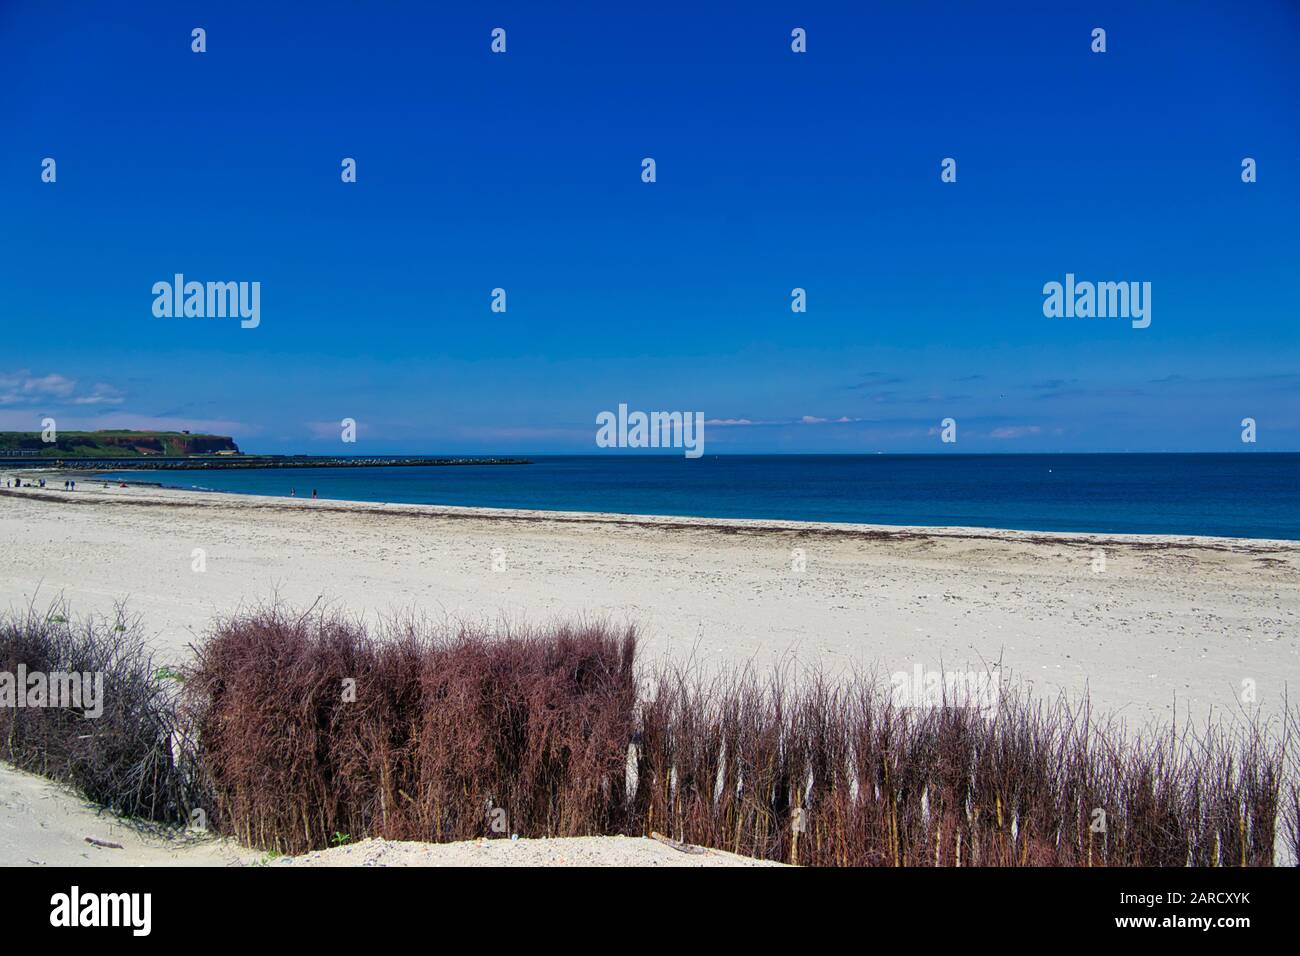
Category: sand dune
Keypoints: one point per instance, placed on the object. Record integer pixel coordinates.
(44, 824)
(567, 851)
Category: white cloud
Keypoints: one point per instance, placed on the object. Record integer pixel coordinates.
(1015, 431)
(23, 389)
(101, 394)
(804, 420)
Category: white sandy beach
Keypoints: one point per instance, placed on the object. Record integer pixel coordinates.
(1171, 621)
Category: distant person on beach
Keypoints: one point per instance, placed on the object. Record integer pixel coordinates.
(313, 492)
(293, 492)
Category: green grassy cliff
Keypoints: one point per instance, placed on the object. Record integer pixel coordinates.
(113, 444)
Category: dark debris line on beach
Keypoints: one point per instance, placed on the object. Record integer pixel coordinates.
(740, 527)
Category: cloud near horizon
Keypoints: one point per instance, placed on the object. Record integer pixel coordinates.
(23, 389)
(802, 420)
(1015, 431)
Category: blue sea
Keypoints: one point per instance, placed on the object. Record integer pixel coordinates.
(1241, 494)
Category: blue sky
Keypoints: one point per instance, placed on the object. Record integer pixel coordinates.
(775, 170)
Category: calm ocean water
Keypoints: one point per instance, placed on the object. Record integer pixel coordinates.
(1246, 494)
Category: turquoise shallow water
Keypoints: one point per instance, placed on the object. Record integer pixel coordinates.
(1241, 494)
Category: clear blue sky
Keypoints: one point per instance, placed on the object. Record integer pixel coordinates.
(775, 170)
